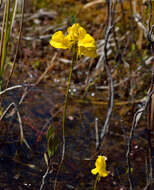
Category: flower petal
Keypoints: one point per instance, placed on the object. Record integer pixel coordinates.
(103, 173)
(60, 41)
(100, 162)
(87, 41)
(94, 171)
(89, 52)
(87, 46)
(76, 32)
(101, 166)
(78, 37)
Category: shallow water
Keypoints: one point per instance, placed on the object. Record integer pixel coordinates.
(42, 108)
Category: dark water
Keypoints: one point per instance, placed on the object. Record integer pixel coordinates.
(21, 168)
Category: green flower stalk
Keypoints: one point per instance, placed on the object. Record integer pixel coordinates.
(80, 43)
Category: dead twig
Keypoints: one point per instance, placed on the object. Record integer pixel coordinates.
(22, 139)
(150, 121)
(47, 69)
(110, 80)
(96, 131)
(90, 4)
(13, 108)
(17, 86)
(43, 178)
(136, 119)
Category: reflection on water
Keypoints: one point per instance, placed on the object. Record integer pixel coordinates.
(21, 168)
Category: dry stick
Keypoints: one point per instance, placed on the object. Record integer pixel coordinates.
(19, 120)
(110, 80)
(21, 100)
(150, 121)
(132, 27)
(136, 119)
(136, 115)
(149, 162)
(132, 130)
(43, 178)
(51, 65)
(96, 131)
(24, 95)
(149, 22)
(17, 86)
(132, 11)
(16, 110)
(6, 110)
(17, 49)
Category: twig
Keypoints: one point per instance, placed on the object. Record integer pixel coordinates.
(149, 163)
(93, 3)
(14, 87)
(6, 110)
(110, 80)
(149, 23)
(136, 119)
(46, 70)
(22, 139)
(96, 131)
(43, 178)
(16, 110)
(23, 96)
(150, 121)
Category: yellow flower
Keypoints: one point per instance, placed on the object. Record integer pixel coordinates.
(100, 167)
(77, 36)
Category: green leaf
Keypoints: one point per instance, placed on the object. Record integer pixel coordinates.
(52, 141)
(52, 145)
(50, 132)
(132, 47)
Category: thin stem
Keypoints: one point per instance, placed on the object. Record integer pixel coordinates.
(5, 43)
(2, 32)
(2, 42)
(74, 59)
(96, 180)
(18, 43)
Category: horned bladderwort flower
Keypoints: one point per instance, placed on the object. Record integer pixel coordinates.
(76, 37)
(100, 167)
(79, 42)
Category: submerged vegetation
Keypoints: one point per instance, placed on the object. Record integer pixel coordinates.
(63, 109)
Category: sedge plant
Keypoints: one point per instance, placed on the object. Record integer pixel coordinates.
(9, 13)
(80, 43)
